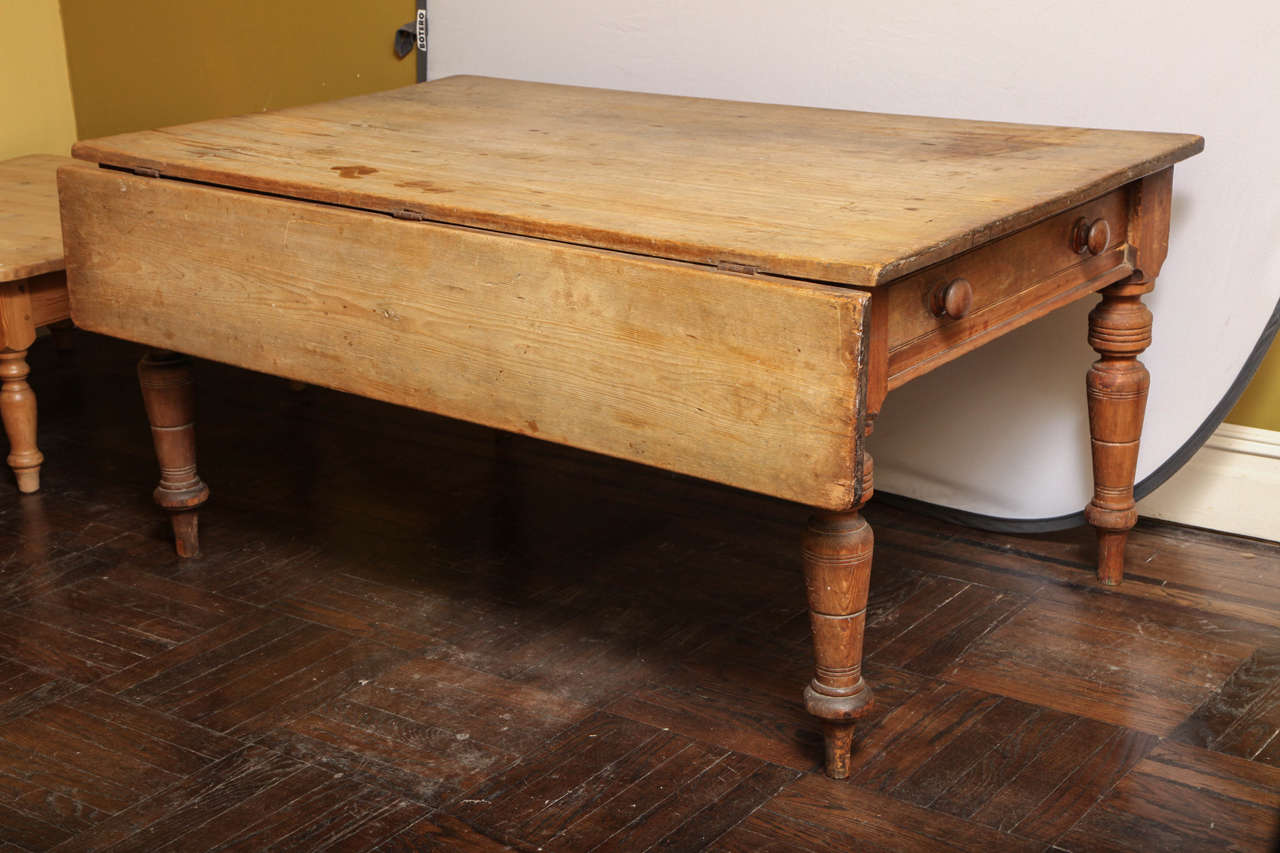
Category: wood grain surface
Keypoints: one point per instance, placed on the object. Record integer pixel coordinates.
(30, 233)
(738, 379)
(846, 197)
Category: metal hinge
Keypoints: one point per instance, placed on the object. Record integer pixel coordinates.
(411, 215)
(733, 266)
(146, 172)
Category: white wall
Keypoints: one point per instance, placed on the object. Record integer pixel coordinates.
(1003, 431)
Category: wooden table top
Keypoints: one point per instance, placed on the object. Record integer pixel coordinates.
(30, 228)
(848, 197)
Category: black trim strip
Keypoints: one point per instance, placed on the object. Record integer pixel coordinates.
(420, 21)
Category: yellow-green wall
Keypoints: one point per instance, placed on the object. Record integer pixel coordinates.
(35, 97)
(149, 63)
(1260, 405)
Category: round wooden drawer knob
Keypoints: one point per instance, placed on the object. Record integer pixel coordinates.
(1092, 237)
(953, 299)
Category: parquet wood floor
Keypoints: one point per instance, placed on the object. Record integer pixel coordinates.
(408, 633)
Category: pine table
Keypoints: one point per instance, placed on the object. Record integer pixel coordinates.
(725, 290)
(33, 293)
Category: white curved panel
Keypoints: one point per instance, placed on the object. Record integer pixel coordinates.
(1002, 431)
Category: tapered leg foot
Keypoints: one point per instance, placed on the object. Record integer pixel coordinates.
(1111, 556)
(1119, 329)
(837, 566)
(186, 532)
(18, 410)
(168, 391)
(839, 749)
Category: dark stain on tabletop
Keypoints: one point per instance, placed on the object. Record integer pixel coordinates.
(353, 171)
(425, 186)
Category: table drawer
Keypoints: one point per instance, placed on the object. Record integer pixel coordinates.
(745, 380)
(1008, 282)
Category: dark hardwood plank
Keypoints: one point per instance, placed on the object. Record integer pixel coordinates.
(57, 778)
(1066, 558)
(936, 776)
(889, 750)
(898, 600)
(196, 799)
(283, 568)
(1227, 567)
(933, 644)
(387, 812)
(1164, 621)
(1270, 753)
(58, 809)
(763, 726)
(10, 670)
(366, 770)
(765, 831)
(1045, 657)
(28, 832)
(141, 721)
(254, 672)
(60, 651)
(1185, 798)
(38, 735)
(30, 691)
(255, 808)
(880, 819)
(303, 690)
(714, 819)
(351, 615)
(381, 826)
(996, 767)
(213, 650)
(1248, 781)
(310, 809)
(1055, 814)
(441, 832)
(1242, 717)
(148, 582)
(741, 782)
(426, 750)
(138, 609)
(121, 741)
(1250, 681)
(508, 801)
(243, 676)
(472, 704)
(940, 559)
(130, 638)
(645, 799)
(635, 768)
(1040, 777)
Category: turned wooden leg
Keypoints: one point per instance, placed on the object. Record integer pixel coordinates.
(168, 391)
(18, 409)
(837, 569)
(1119, 329)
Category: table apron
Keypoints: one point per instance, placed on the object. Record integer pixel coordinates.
(746, 380)
(1013, 280)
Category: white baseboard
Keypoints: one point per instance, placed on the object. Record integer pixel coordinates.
(1232, 484)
